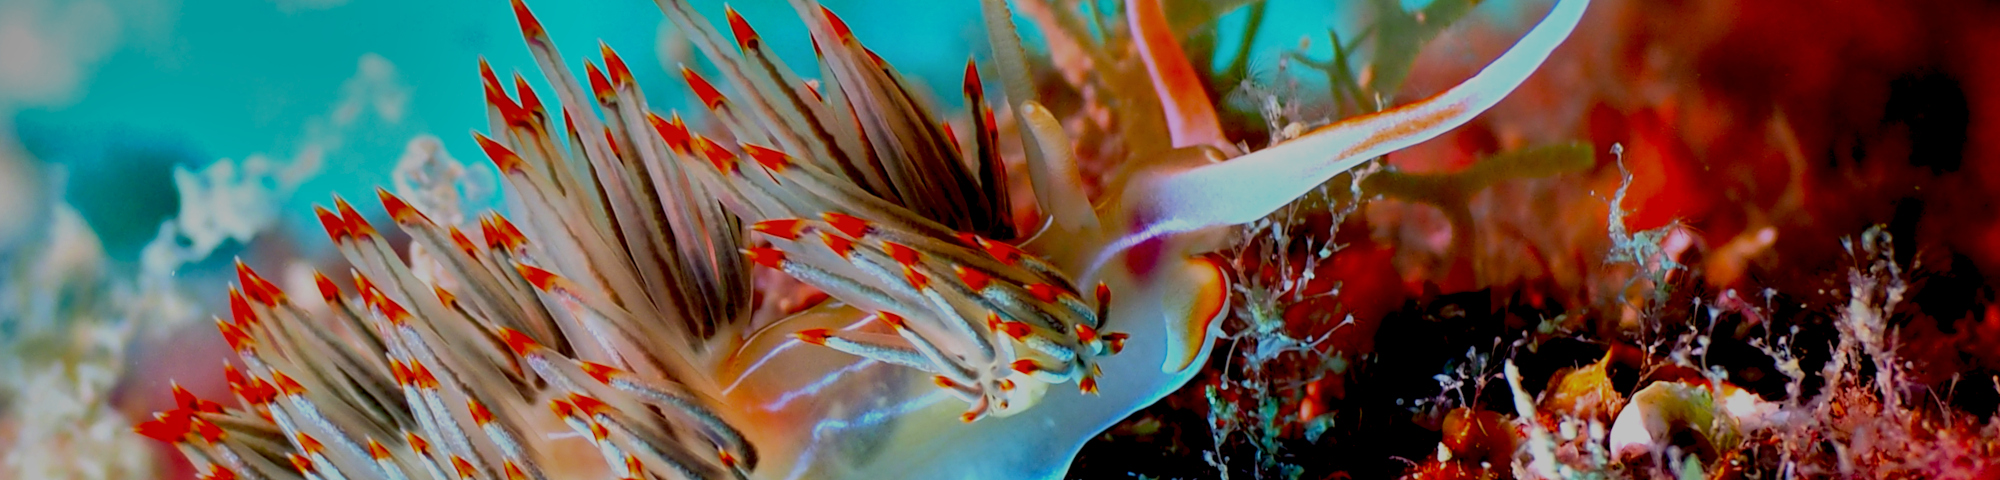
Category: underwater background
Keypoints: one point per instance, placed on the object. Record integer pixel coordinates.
(1769, 156)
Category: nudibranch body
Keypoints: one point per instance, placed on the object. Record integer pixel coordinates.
(607, 331)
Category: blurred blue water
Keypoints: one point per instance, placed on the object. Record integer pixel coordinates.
(231, 78)
(219, 79)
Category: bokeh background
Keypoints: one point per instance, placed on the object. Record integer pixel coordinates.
(184, 134)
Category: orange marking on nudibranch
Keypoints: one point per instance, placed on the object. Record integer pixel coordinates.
(1403, 128)
(260, 392)
(785, 228)
(917, 279)
(395, 312)
(464, 468)
(847, 224)
(904, 255)
(502, 157)
(327, 290)
(234, 337)
(1190, 118)
(1209, 300)
(771, 159)
(541, 279)
(417, 443)
(1017, 330)
(972, 278)
(527, 94)
(598, 84)
(170, 428)
(816, 336)
(569, 122)
(840, 245)
(1085, 334)
(520, 343)
(513, 471)
(590, 405)
(702, 89)
(301, 463)
(1045, 292)
(1088, 385)
(259, 289)
(233, 376)
(365, 287)
(286, 384)
(723, 159)
(951, 137)
(728, 459)
(219, 473)
(335, 229)
(892, 319)
(633, 466)
(208, 431)
(745, 37)
(399, 210)
(611, 139)
(833, 22)
(185, 400)
(562, 408)
(603, 373)
(972, 85)
(377, 451)
(510, 236)
(399, 372)
(490, 233)
(445, 296)
(239, 309)
(356, 225)
(769, 257)
(464, 243)
(530, 27)
(480, 415)
(1002, 251)
(309, 445)
(497, 97)
(1025, 366)
(597, 431)
(614, 66)
(675, 135)
(421, 376)
(1103, 301)
(488, 82)
(1215, 293)
(944, 382)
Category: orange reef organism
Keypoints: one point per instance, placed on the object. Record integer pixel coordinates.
(605, 331)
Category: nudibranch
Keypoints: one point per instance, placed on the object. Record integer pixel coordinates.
(606, 330)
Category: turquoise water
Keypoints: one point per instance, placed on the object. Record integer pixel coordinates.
(188, 83)
(232, 78)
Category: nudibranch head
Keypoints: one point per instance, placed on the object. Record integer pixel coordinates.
(620, 303)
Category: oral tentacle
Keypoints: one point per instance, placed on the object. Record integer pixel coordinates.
(1190, 118)
(1181, 199)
